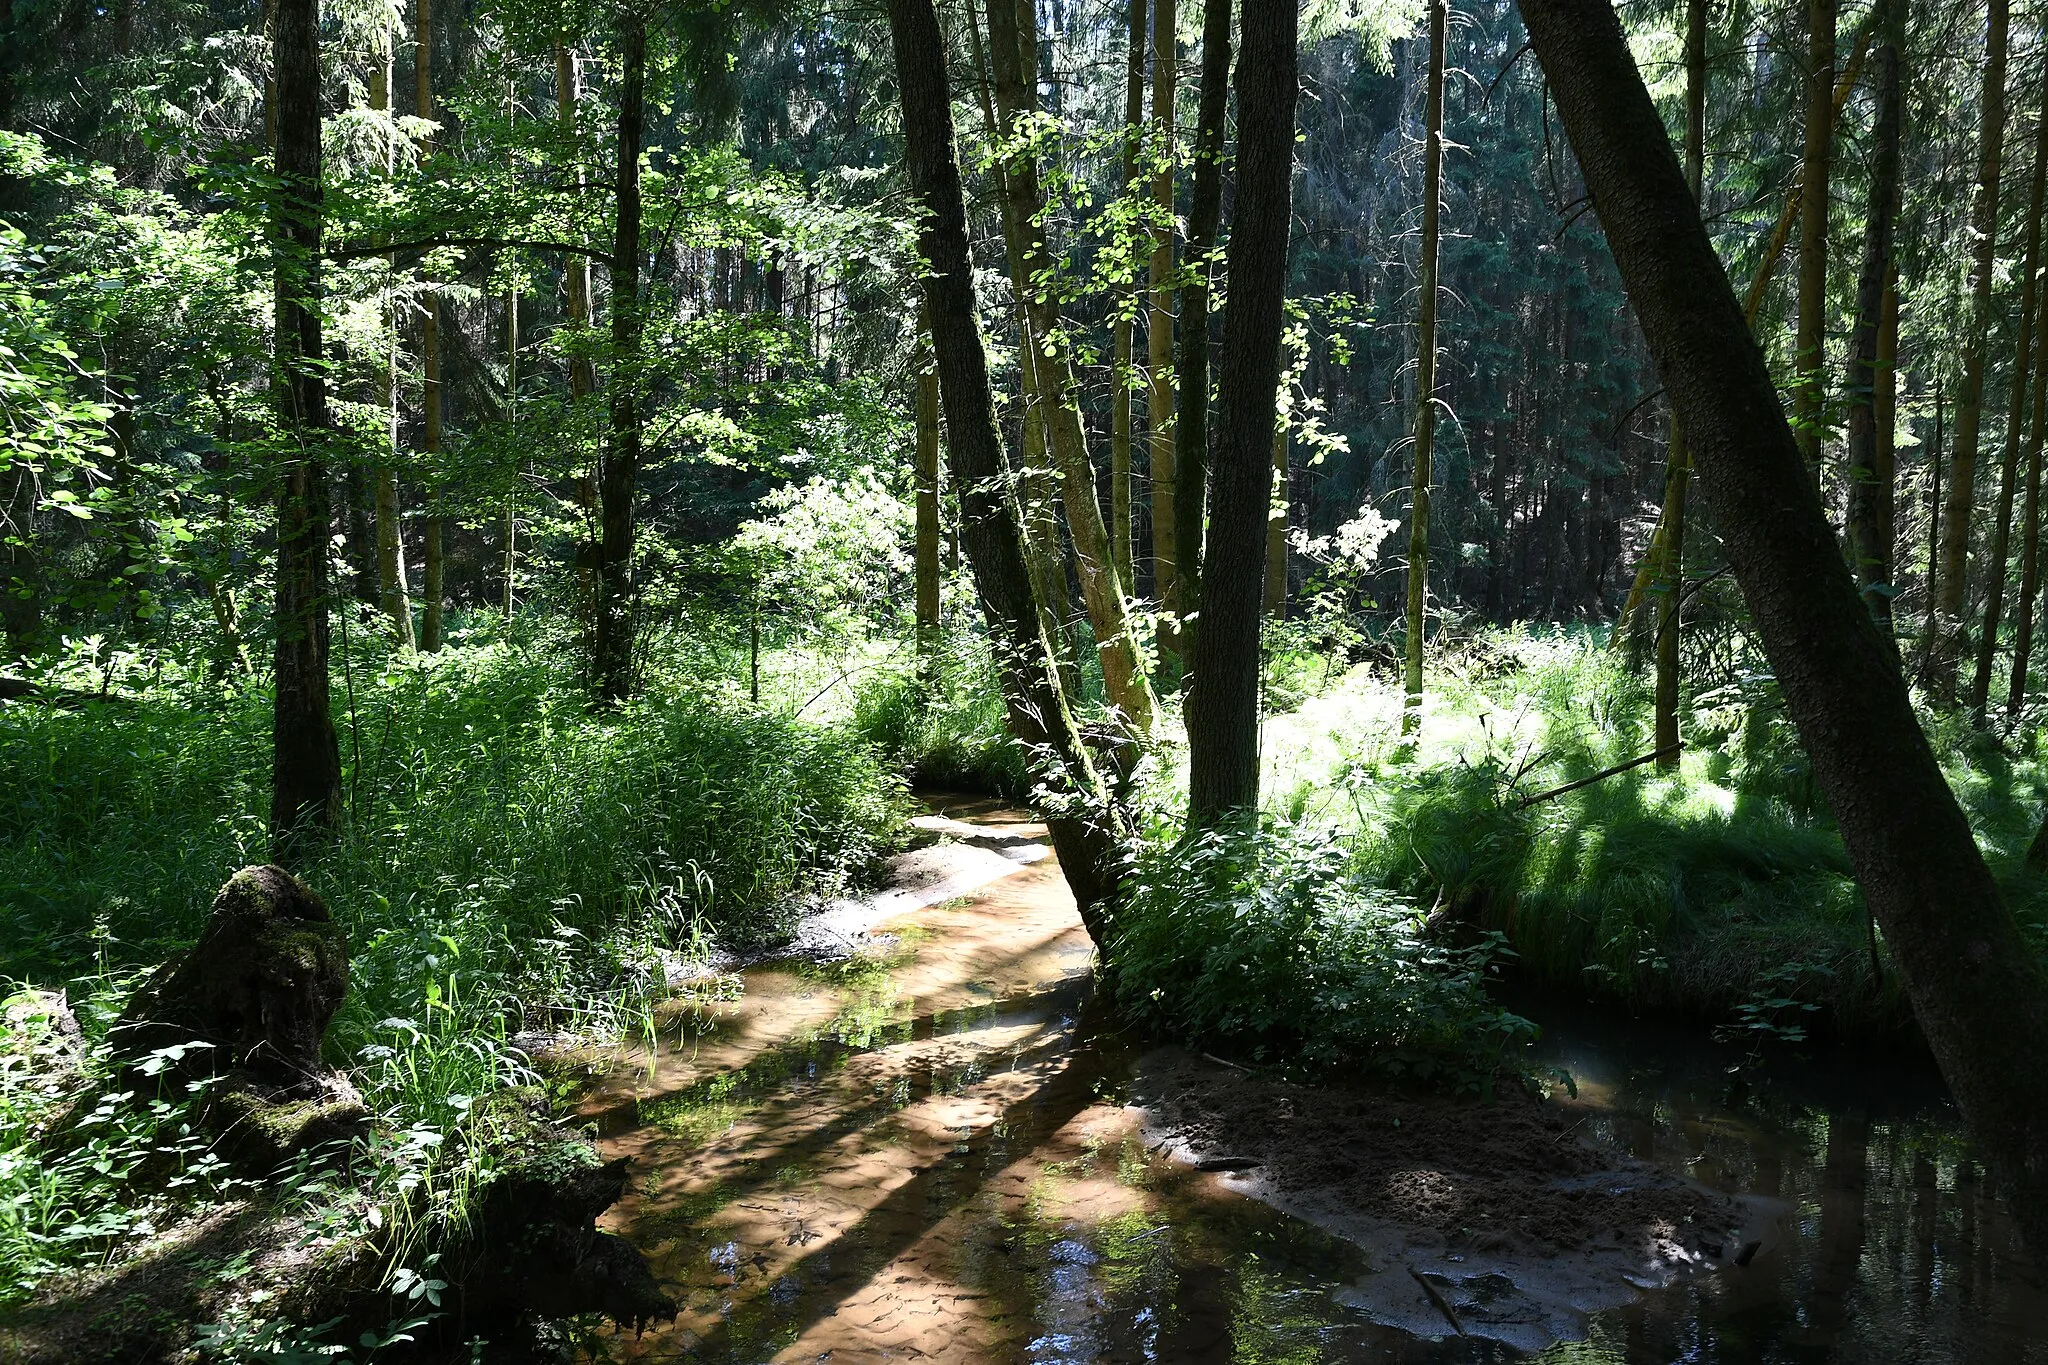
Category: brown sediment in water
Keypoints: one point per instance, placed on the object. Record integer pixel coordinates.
(1511, 1172)
(933, 1152)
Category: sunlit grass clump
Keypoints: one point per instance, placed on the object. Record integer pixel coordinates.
(1708, 889)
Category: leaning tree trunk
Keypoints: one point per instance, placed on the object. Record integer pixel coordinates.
(1678, 464)
(1083, 832)
(2015, 426)
(1953, 587)
(1122, 330)
(1871, 472)
(1976, 985)
(1223, 698)
(1415, 618)
(1191, 373)
(1809, 359)
(1044, 555)
(613, 650)
(305, 774)
(434, 583)
(1012, 59)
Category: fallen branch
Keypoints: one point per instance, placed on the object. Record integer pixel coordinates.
(1600, 776)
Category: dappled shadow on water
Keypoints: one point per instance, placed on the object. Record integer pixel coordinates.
(931, 1160)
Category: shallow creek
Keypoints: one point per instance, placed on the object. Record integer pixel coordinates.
(925, 1156)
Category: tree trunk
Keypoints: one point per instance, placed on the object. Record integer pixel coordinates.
(1223, 697)
(1122, 329)
(1159, 412)
(512, 422)
(617, 480)
(394, 598)
(1038, 523)
(1752, 305)
(1044, 553)
(2030, 534)
(582, 372)
(1678, 464)
(1871, 473)
(1977, 987)
(1414, 620)
(2015, 426)
(1034, 704)
(1012, 52)
(1809, 360)
(430, 360)
(927, 557)
(1930, 629)
(1962, 480)
(305, 788)
(1191, 377)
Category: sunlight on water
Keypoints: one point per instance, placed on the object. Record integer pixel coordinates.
(924, 1155)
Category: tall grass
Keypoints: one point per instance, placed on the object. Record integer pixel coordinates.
(511, 859)
(1707, 890)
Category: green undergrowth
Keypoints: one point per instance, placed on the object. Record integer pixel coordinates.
(511, 859)
(1268, 945)
(1720, 890)
(943, 725)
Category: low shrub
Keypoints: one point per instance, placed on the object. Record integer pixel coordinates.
(1264, 943)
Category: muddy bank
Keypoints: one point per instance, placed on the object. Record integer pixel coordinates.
(1490, 1219)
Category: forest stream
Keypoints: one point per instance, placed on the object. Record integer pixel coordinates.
(932, 1152)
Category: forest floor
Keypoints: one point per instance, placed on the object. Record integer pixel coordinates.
(942, 1144)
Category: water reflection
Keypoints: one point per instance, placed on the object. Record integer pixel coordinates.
(930, 1160)
(1892, 1247)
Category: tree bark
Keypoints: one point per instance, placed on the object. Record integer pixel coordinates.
(1871, 473)
(305, 788)
(2015, 426)
(577, 316)
(1976, 985)
(1809, 360)
(1012, 49)
(1962, 479)
(1415, 618)
(1191, 376)
(394, 597)
(620, 475)
(927, 469)
(434, 585)
(1084, 831)
(512, 421)
(1122, 330)
(1223, 698)
(2030, 539)
(1678, 464)
(1044, 556)
(1159, 406)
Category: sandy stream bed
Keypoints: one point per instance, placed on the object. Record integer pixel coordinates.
(957, 1160)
